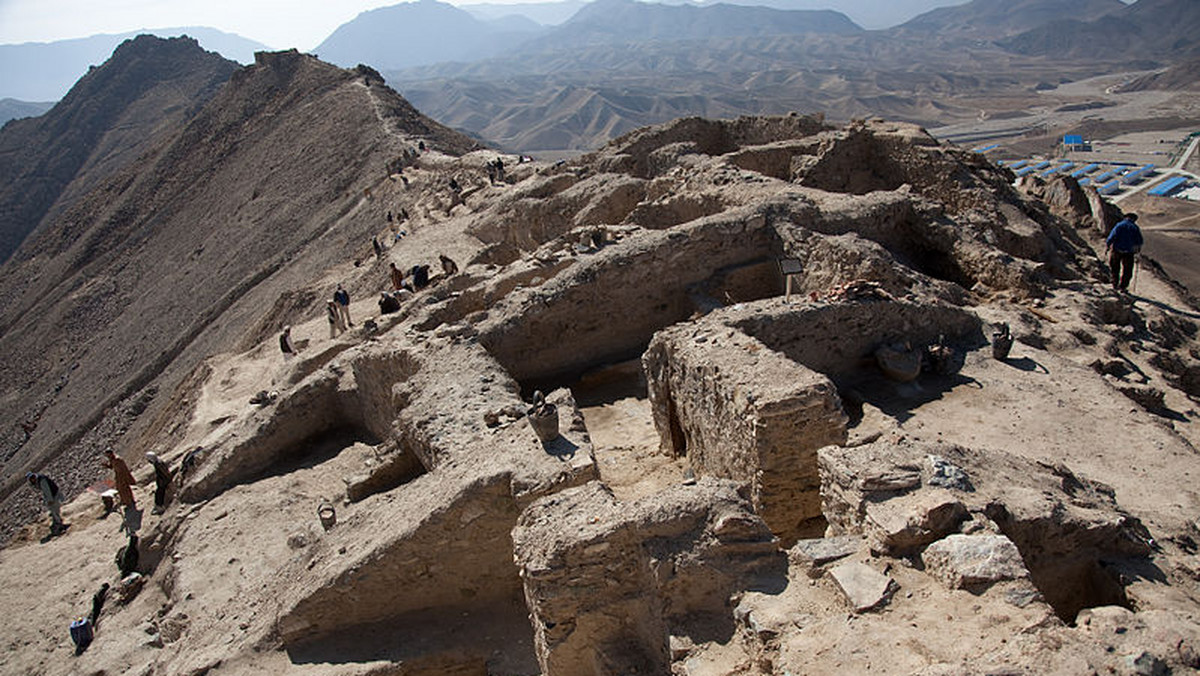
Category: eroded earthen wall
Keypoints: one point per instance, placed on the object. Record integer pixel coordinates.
(739, 410)
(840, 337)
(609, 305)
(608, 583)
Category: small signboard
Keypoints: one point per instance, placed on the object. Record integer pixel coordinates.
(790, 267)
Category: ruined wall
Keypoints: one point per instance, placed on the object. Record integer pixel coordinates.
(525, 221)
(634, 152)
(274, 434)
(774, 159)
(839, 338)
(608, 305)
(443, 542)
(739, 410)
(377, 372)
(608, 583)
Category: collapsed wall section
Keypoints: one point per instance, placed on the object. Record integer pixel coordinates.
(635, 152)
(607, 307)
(607, 583)
(739, 410)
(549, 208)
(904, 495)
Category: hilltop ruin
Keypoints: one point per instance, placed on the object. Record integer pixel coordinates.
(775, 502)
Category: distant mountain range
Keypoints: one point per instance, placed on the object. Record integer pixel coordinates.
(1164, 30)
(988, 19)
(625, 21)
(614, 65)
(420, 33)
(11, 109)
(44, 71)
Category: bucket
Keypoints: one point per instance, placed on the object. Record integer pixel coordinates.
(81, 633)
(545, 423)
(327, 515)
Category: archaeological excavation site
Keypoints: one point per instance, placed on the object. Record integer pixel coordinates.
(758, 396)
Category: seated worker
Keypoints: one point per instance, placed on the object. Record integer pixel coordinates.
(388, 303)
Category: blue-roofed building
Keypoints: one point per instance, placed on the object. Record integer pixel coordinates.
(1041, 165)
(1024, 171)
(1108, 174)
(1137, 174)
(1168, 186)
(1076, 142)
(1018, 164)
(984, 149)
(1084, 181)
(1110, 187)
(1054, 170)
(1086, 170)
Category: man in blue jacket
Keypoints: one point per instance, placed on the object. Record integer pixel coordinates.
(1123, 244)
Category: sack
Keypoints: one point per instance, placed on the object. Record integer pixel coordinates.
(81, 633)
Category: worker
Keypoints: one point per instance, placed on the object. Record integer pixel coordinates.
(51, 496)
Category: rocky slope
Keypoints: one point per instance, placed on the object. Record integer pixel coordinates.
(831, 475)
(109, 118)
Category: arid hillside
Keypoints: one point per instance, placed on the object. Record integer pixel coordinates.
(613, 436)
(110, 304)
(109, 118)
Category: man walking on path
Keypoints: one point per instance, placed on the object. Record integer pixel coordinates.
(342, 298)
(1123, 245)
(50, 496)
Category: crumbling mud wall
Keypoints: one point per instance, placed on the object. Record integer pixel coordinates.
(446, 544)
(606, 307)
(276, 433)
(634, 153)
(839, 338)
(608, 583)
(739, 410)
(550, 207)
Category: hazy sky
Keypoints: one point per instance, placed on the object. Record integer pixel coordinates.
(280, 24)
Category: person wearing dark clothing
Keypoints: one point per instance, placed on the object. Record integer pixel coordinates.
(449, 267)
(127, 557)
(388, 303)
(376, 245)
(1123, 245)
(98, 604)
(51, 496)
(162, 481)
(285, 343)
(420, 276)
(342, 298)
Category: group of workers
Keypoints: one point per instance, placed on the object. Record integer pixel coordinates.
(123, 482)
